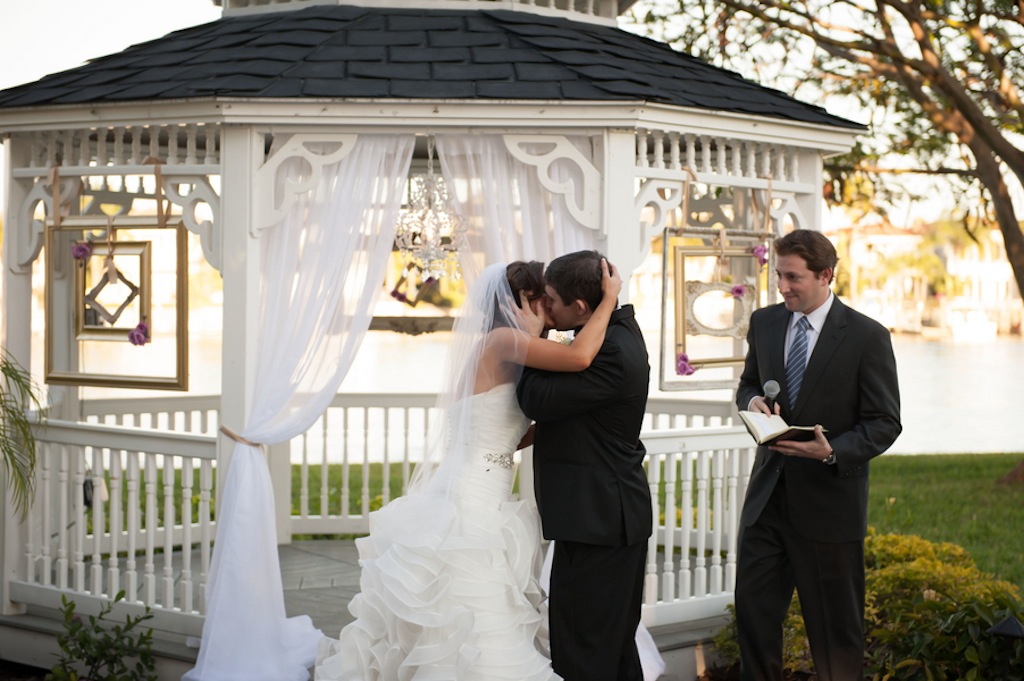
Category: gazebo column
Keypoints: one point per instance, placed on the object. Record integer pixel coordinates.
(811, 170)
(242, 153)
(16, 338)
(627, 241)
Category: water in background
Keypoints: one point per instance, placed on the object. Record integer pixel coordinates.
(956, 396)
(960, 397)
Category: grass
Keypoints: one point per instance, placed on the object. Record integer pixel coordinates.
(941, 497)
(954, 498)
(355, 481)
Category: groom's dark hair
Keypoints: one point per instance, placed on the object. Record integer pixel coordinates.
(576, 276)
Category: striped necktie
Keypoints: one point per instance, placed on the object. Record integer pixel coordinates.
(797, 361)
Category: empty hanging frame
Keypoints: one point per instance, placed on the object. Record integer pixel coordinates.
(117, 303)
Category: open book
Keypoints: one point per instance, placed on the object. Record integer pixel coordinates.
(768, 430)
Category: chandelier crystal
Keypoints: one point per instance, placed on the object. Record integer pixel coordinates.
(430, 230)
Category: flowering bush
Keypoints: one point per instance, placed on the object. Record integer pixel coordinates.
(928, 615)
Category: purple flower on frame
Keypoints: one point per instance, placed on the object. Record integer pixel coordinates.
(139, 335)
(760, 252)
(738, 291)
(683, 367)
(81, 251)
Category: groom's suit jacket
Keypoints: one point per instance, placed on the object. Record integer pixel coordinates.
(589, 479)
(850, 387)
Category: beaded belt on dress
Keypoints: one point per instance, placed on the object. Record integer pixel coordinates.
(503, 460)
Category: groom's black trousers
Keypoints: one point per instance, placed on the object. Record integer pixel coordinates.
(594, 610)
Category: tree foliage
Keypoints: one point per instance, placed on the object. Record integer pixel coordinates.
(937, 80)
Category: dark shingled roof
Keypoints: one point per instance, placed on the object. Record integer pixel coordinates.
(354, 52)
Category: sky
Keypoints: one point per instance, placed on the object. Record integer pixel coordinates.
(40, 37)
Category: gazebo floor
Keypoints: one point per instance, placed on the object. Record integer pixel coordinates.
(320, 577)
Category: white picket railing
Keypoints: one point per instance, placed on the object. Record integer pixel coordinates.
(151, 534)
(121, 508)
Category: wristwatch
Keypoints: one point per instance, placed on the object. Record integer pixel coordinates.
(831, 460)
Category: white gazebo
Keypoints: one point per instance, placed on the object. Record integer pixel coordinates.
(277, 142)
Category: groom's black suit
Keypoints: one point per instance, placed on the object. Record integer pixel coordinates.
(594, 500)
(803, 522)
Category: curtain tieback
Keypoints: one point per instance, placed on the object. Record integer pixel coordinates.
(238, 438)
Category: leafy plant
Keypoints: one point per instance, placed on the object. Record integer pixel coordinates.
(928, 613)
(18, 395)
(94, 651)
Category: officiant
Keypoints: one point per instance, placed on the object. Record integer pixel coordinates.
(805, 514)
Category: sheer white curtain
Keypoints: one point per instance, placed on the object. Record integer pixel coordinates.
(321, 268)
(511, 215)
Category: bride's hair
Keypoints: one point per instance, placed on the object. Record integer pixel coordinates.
(520, 276)
(525, 276)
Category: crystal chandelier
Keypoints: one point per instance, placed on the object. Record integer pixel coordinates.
(430, 230)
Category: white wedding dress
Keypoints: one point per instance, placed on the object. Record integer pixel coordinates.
(449, 574)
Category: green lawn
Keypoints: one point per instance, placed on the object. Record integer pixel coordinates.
(954, 498)
(941, 497)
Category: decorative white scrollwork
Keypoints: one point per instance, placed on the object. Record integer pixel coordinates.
(28, 231)
(271, 206)
(662, 197)
(581, 189)
(200, 191)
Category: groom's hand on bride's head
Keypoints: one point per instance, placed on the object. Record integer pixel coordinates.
(611, 280)
(531, 314)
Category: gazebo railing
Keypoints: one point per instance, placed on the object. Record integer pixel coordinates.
(121, 508)
(147, 525)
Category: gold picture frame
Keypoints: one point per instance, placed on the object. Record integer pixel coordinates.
(93, 319)
(714, 289)
(85, 330)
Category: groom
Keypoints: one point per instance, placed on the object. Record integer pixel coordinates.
(589, 481)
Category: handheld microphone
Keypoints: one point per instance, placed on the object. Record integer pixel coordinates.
(771, 391)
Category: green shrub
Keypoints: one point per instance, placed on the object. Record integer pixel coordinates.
(796, 654)
(95, 651)
(927, 616)
(937, 637)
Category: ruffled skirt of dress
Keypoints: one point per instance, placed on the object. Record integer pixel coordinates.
(448, 590)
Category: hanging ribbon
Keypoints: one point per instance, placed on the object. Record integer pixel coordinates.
(54, 177)
(108, 262)
(161, 217)
(720, 262)
(767, 218)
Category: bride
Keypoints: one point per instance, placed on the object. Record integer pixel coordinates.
(449, 570)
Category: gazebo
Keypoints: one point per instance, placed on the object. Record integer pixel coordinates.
(278, 141)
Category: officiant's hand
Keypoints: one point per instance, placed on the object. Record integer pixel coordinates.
(760, 404)
(817, 449)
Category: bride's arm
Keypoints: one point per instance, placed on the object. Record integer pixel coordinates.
(549, 355)
(527, 437)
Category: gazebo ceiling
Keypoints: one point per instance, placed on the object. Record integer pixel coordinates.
(346, 52)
